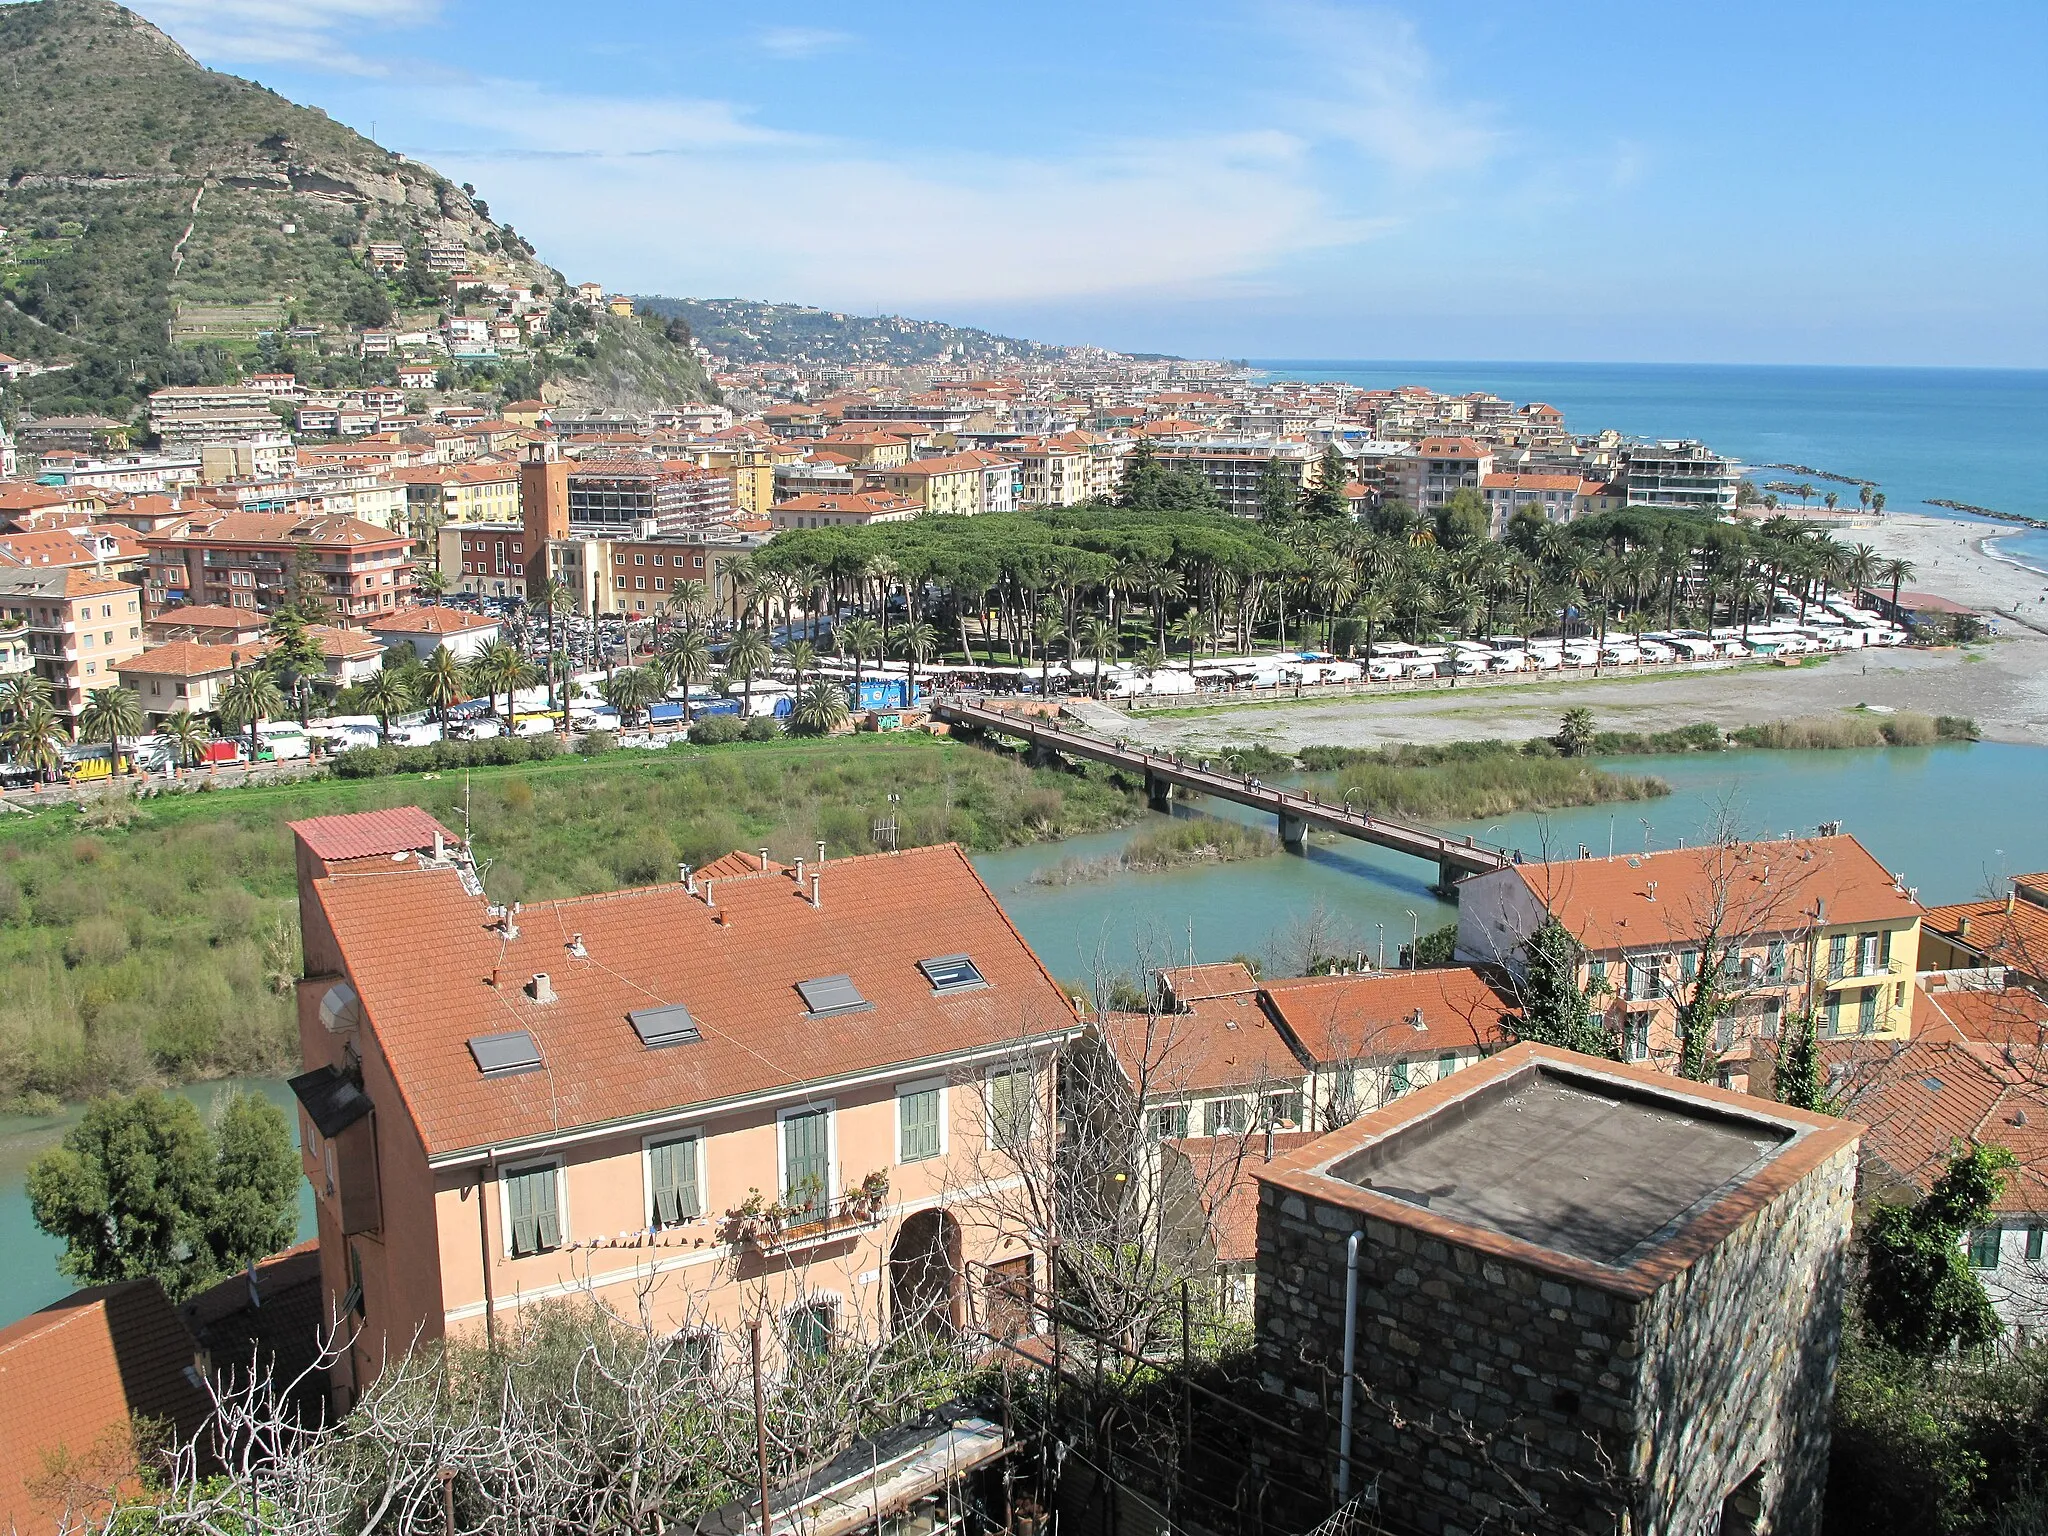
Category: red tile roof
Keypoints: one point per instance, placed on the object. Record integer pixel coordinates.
(1610, 903)
(188, 659)
(1192, 983)
(2012, 932)
(1374, 1016)
(2005, 1016)
(367, 834)
(72, 1376)
(430, 621)
(1218, 1042)
(434, 970)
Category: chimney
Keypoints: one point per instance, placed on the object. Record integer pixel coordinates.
(764, 858)
(706, 889)
(821, 850)
(2010, 897)
(683, 876)
(576, 946)
(1269, 1138)
(542, 988)
(1820, 909)
(1963, 929)
(817, 896)
(1653, 890)
(799, 872)
(440, 845)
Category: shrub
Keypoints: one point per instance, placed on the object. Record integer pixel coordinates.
(716, 730)
(761, 728)
(378, 762)
(597, 743)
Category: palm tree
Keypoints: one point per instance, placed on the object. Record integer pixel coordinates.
(1046, 632)
(185, 736)
(387, 694)
(629, 691)
(1830, 501)
(915, 643)
(36, 740)
(1099, 640)
(443, 683)
(746, 658)
(1877, 501)
(1896, 571)
(1373, 611)
(550, 597)
(684, 662)
(110, 714)
(1863, 495)
(820, 710)
(431, 581)
(861, 638)
(23, 692)
(801, 657)
(1861, 567)
(499, 666)
(250, 698)
(688, 602)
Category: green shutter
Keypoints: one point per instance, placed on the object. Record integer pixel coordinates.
(689, 1198)
(920, 1124)
(547, 1216)
(672, 1169)
(805, 1172)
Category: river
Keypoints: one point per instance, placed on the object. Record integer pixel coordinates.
(1955, 819)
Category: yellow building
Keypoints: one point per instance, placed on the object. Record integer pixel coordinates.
(458, 493)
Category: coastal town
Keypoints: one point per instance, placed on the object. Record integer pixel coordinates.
(635, 914)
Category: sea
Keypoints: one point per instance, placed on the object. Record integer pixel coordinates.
(1950, 434)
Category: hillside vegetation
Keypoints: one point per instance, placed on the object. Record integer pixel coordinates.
(743, 331)
(159, 214)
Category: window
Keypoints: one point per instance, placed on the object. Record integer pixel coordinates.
(1446, 1064)
(2034, 1237)
(1884, 950)
(533, 1211)
(951, 973)
(1170, 1122)
(1281, 1109)
(1838, 956)
(1774, 961)
(1635, 1038)
(1984, 1244)
(1688, 964)
(807, 1158)
(1866, 954)
(1598, 974)
(672, 1180)
(1866, 1009)
(1012, 1093)
(1397, 1080)
(918, 1129)
(809, 1331)
(1226, 1117)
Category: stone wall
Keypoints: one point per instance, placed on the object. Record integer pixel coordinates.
(1738, 1370)
(1495, 1396)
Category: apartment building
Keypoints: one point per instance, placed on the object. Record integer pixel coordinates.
(80, 626)
(482, 558)
(2009, 932)
(431, 629)
(438, 494)
(1233, 467)
(792, 1090)
(190, 415)
(1680, 474)
(1557, 498)
(1055, 471)
(856, 510)
(1794, 925)
(955, 484)
(871, 449)
(1444, 466)
(184, 674)
(252, 559)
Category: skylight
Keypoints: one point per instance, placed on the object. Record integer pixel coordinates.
(670, 1024)
(503, 1055)
(825, 995)
(952, 973)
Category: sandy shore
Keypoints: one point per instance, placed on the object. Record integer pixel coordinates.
(1951, 561)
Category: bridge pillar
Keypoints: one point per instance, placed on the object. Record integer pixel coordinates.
(1447, 877)
(1158, 792)
(1293, 833)
(1042, 756)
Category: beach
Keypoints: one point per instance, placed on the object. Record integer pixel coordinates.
(1951, 560)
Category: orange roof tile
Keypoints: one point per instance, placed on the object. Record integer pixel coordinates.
(433, 970)
(72, 1377)
(1775, 886)
(2013, 932)
(189, 659)
(429, 621)
(1373, 1016)
(2002, 1016)
(369, 834)
(1217, 1042)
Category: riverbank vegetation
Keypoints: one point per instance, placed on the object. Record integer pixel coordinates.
(161, 943)
(1822, 733)
(1186, 840)
(1465, 781)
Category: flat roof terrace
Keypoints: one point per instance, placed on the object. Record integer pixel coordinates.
(1596, 1171)
(1564, 1162)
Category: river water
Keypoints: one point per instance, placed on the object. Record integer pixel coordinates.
(1954, 819)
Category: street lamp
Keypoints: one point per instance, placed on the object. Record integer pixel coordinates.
(1414, 936)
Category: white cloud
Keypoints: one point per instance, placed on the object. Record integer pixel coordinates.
(314, 32)
(801, 42)
(1388, 101)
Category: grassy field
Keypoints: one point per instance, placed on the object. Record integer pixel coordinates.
(164, 949)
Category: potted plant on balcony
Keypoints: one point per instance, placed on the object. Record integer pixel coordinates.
(864, 1200)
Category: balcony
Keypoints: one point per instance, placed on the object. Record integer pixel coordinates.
(782, 1228)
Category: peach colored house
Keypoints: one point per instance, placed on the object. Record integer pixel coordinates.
(766, 1092)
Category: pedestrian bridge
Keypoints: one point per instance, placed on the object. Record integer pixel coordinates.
(1296, 813)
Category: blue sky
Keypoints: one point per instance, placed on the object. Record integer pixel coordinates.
(1735, 182)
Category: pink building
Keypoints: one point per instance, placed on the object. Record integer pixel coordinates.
(754, 1092)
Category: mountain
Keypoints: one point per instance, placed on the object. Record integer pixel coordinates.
(159, 215)
(743, 331)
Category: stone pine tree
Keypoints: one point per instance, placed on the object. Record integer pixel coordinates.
(1555, 1008)
(1325, 500)
(1919, 1292)
(142, 1186)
